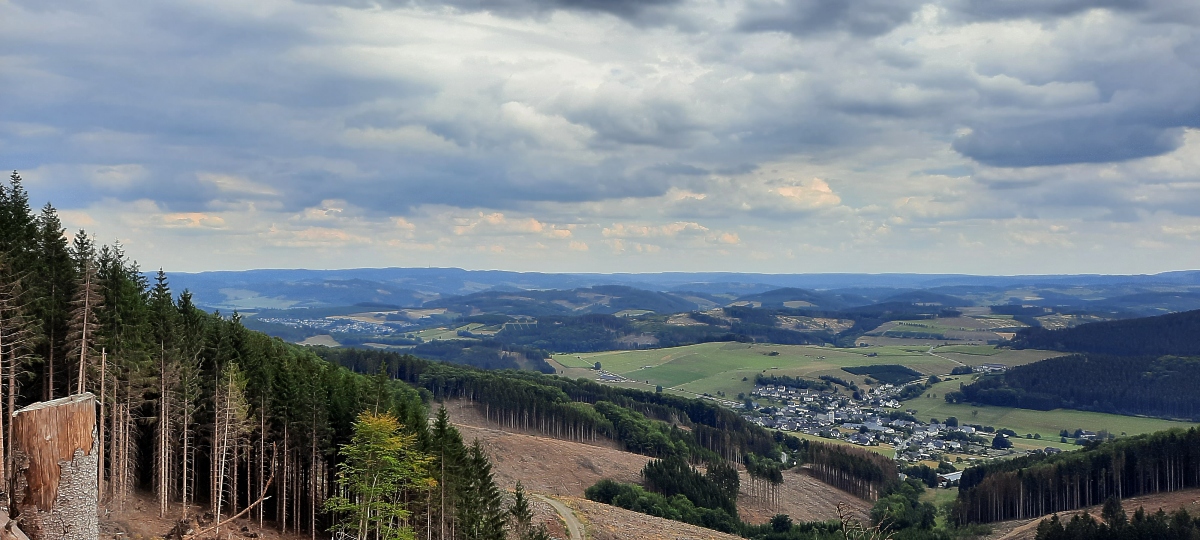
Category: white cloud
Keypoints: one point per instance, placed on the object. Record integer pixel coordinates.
(682, 135)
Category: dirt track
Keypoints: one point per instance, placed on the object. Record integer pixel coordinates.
(574, 527)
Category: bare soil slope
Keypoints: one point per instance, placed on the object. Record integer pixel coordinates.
(566, 468)
(1027, 529)
(605, 522)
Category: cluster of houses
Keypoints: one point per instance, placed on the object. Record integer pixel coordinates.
(339, 325)
(876, 419)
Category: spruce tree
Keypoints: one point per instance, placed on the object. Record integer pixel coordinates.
(446, 447)
(55, 283)
(481, 512)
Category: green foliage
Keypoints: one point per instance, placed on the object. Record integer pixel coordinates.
(1171, 334)
(901, 508)
(522, 517)
(677, 507)
(1038, 485)
(674, 476)
(560, 406)
(480, 511)
(379, 464)
(1157, 386)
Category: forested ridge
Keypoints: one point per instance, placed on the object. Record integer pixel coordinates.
(1134, 385)
(645, 422)
(602, 332)
(1171, 334)
(213, 418)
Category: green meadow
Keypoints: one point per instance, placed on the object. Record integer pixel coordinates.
(1024, 421)
(709, 368)
(712, 367)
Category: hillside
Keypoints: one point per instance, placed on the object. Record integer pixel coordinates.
(1134, 385)
(791, 297)
(607, 522)
(607, 299)
(1173, 334)
(1026, 529)
(566, 468)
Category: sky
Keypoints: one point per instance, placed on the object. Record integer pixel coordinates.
(786, 136)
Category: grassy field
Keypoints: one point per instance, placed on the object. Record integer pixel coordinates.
(713, 367)
(710, 368)
(1023, 421)
(443, 332)
(974, 355)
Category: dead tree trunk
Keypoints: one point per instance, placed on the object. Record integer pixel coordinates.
(55, 451)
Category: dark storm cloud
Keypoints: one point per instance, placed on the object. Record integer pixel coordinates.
(807, 17)
(1062, 142)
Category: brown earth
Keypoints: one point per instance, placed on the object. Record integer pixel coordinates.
(605, 522)
(1026, 529)
(566, 468)
(139, 520)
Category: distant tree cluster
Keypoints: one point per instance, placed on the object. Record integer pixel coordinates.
(888, 373)
(1172, 334)
(1142, 385)
(1038, 485)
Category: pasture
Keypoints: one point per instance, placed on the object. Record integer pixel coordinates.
(1024, 421)
(716, 368)
(713, 367)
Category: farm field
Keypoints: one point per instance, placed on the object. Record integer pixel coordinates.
(713, 368)
(720, 367)
(1046, 423)
(443, 332)
(974, 355)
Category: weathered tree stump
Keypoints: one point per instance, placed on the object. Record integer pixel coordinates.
(54, 451)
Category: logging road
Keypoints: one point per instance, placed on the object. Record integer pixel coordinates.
(573, 524)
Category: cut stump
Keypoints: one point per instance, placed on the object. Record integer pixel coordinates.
(55, 457)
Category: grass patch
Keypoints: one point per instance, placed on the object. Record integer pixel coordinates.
(1048, 424)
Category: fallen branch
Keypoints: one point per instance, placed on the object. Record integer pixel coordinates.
(262, 497)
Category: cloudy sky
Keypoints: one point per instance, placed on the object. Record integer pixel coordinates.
(979, 136)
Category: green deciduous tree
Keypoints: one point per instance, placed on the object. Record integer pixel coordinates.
(379, 465)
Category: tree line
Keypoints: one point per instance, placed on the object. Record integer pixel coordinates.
(1039, 485)
(860, 472)
(1134, 385)
(566, 408)
(1171, 334)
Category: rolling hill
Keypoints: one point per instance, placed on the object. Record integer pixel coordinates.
(1173, 334)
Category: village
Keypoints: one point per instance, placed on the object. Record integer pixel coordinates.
(878, 419)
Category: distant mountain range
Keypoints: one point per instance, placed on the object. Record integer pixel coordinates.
(533, 293)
